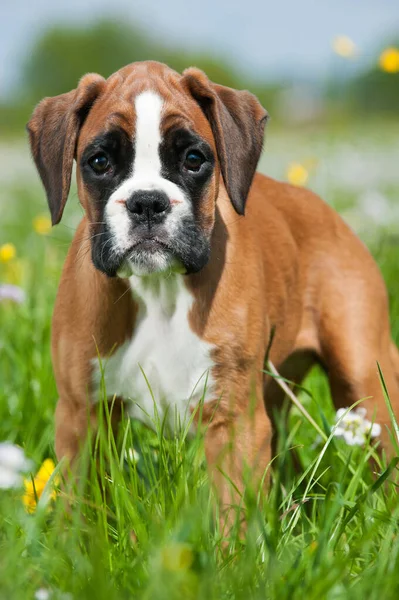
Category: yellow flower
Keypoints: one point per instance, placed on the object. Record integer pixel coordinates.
(34, 489)
(344, 46)
(14, 271)
(389, 60)
(297, 174)
(177, 557)
(42, 224)
(7, 252)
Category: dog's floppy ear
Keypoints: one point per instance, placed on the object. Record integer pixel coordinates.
(238, 121)
(53, 132)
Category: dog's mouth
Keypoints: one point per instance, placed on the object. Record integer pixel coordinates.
(148, 245)
(147, 256)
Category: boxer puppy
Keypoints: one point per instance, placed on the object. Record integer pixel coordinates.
(176, 290)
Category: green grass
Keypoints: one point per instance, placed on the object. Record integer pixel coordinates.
(146, 528)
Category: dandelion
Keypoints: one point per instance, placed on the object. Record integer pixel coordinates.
(389, 60)
(297, 174)
(14, 271)
(7, 252)
(42, 224)
(344, 46)
(13, 463)
(353, 426)
(35, 488)
(177, 557)
(12, 292)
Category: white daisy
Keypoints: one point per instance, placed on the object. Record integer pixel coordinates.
(353, 426)
(13, 463)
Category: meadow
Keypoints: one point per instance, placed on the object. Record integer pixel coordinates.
(144, 527)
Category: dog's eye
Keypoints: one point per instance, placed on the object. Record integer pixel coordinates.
(99, 163)
(193, 161)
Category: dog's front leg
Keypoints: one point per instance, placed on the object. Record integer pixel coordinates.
(72, 423)
(238, 451)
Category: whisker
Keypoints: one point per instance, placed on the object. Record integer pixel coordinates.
(103, 248)
(125, 292)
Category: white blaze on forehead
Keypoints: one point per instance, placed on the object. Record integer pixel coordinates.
(147, 162)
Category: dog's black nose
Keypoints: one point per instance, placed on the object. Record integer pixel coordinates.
(148, 205)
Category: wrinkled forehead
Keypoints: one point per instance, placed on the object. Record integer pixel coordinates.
(151, 101)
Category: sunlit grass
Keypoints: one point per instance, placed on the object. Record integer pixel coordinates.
(140, 521)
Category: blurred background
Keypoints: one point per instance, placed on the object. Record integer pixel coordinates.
(327, 71)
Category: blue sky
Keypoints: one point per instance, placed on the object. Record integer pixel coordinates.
(267, 38)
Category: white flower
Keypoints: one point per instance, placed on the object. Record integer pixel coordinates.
(13, 463)
(132, 456)
(12, 292)
(353, 426)
(42, 594)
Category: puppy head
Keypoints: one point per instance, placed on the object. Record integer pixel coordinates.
(150, 146)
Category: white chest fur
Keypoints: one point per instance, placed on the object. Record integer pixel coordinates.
(165, 368)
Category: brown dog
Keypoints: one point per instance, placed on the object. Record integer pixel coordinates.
(165, 169)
